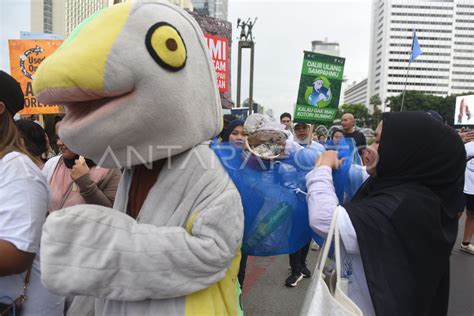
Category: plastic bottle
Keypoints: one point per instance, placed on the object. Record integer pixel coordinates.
(270, 223)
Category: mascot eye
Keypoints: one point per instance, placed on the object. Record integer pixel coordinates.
(166, 46)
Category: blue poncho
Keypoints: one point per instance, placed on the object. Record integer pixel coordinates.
(274, 195)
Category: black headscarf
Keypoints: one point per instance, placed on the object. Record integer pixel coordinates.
(229, 128)
(406, 217)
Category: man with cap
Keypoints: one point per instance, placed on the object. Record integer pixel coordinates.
(304, 138)
(23, 211)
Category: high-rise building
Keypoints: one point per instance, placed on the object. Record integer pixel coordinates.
(185, 4)
(215, 8)
(325, 47)
(328, 48)
(445, 32)
(75, 11)
(356, 93)
(61, 16)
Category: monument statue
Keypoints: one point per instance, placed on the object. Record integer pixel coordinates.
(249, 29)
(242, 24)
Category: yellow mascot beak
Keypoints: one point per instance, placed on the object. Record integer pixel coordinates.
(79, 63)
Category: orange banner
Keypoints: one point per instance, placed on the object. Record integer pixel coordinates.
(25, 58)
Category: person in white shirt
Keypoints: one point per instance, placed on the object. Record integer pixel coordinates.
(285, 119)
(23, 209)
(410, 202)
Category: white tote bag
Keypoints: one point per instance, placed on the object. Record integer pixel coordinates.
(319, 300)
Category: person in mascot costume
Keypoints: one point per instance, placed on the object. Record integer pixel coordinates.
(141, 94)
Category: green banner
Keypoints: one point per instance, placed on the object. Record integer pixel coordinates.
(320, 88)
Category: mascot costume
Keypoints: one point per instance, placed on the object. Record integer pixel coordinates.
(140, 92)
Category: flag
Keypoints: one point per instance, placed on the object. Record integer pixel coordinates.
(415, 48)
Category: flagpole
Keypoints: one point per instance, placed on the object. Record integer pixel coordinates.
(405, 88)
(410, 58)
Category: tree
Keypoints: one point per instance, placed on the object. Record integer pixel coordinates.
(446, 108)
(377, 113)
(418, 101)
(414, 101)
(360, 112)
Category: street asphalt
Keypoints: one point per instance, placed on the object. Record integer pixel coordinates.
(265, 293)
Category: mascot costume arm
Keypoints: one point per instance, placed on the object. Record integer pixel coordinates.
(110, 255)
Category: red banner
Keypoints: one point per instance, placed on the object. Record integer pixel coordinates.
(219, 47)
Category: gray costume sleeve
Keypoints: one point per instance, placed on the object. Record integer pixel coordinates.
(96, 251)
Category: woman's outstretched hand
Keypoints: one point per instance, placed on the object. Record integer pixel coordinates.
(329, 158)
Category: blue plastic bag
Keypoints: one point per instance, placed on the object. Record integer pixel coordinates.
(273, 195)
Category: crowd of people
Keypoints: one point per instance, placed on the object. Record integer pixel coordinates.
(399, 197)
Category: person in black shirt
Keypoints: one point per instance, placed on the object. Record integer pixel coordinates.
(348, 126)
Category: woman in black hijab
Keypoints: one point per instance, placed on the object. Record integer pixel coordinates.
(405, 215)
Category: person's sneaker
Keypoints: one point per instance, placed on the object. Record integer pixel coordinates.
(315, 246)
(305, 272)
(469, 248)
(293, 279)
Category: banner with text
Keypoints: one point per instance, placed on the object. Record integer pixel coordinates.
(218, 36)
(219, 46)
(319, 89)
(25, 58)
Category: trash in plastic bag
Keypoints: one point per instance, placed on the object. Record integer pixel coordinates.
(266, 138)
(257, 122)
